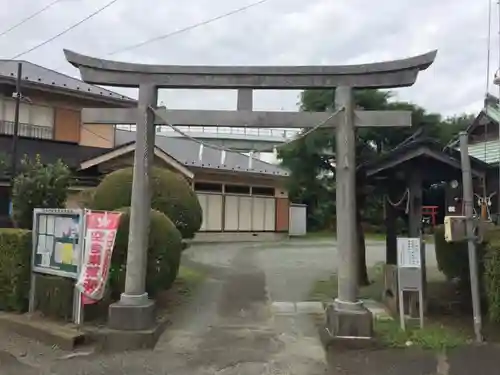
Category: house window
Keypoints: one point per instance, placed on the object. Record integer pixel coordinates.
(263, 190)
(208, 187)
(237, 189)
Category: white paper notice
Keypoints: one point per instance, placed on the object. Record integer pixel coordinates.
(51, 224)
(45, 260)
(42, 244)
(58, 252)
(409, 252)
(42, 224)
(49, 244)
(59, 227)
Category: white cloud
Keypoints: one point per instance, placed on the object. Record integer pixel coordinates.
(288, 32)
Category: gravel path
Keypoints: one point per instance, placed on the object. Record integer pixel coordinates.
(228, 328)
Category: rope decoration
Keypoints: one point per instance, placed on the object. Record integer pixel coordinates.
(272, 149)
(406, 196)
(485, 204)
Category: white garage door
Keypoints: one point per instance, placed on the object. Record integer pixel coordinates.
(211, 204)
(249, 214)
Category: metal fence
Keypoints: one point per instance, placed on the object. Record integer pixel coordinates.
(26, 130)
(277, 133)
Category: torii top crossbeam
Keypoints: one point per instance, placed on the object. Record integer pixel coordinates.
(388, 74)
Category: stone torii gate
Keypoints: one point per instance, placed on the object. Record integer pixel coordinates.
(346, 316)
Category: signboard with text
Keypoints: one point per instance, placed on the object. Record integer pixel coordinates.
(58, 241)
(101, 228)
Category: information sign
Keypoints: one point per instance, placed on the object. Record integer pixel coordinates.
(58, 241)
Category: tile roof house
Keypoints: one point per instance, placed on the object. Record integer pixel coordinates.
(37, 76)
(188, 153)
(237, 195)
(484, 144)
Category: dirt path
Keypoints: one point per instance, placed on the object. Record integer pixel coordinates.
(227, 329)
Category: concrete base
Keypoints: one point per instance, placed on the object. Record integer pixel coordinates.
(111, 340)
(65, 336)
(224, 237)
(356, 323)
(131, 318)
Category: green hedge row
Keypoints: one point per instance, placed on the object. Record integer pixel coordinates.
(453, 261)
(15, 256)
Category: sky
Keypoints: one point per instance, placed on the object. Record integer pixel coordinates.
(277, 32)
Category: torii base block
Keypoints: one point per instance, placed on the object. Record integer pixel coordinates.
(131, 317)
(349, 324)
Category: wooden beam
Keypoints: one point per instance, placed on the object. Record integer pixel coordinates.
(387, 74)
(250, 119)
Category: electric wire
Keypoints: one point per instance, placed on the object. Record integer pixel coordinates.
(187, 28)
(226, 149)
(30, 17)
(68, 29)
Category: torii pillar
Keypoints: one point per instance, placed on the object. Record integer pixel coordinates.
(347, 316)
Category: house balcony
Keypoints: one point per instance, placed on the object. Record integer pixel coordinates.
(27, 130)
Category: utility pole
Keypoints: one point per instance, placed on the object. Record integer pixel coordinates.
(468, 199)
(15, 135)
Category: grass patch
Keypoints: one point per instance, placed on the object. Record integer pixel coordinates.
(438, 333)
(187, 282)
(332, 234)
(429, 238)
(432, 336)
(326, 290)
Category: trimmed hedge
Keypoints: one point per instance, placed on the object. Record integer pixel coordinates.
(491, 279)
(453, 261)
(170, 194)
(15, 257)
(164, 253)
(452, 257)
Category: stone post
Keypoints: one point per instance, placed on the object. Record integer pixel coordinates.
(347, 317)
(346, 200)
(245, 100)
(135, 311)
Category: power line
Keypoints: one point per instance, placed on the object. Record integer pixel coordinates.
(65, 30)
(188, 28)
(220, 148)
(488, 49)
(30, 17)
(319, 125)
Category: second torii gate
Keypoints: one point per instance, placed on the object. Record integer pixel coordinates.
(346, 317)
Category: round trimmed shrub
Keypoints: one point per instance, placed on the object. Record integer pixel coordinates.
(170, 194)
(164, 254)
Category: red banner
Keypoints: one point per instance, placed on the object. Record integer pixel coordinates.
(101, 227)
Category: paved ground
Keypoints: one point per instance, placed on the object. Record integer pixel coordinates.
(229, 327)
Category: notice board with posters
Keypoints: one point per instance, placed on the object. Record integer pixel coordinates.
(58, 236)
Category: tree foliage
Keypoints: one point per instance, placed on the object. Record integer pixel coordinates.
(38, 186)
(311, 158)
(170, 194)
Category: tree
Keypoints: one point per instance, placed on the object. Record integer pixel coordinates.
(311, 158)
(38, 186)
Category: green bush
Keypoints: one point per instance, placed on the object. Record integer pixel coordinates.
(39, 186)
(452, 257)
(164, 253)
(491, 277)
(453, 261)
(170, 194)
(15, 266)
(54, 296)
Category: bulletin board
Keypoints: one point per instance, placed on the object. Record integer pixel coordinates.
(58, 236)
